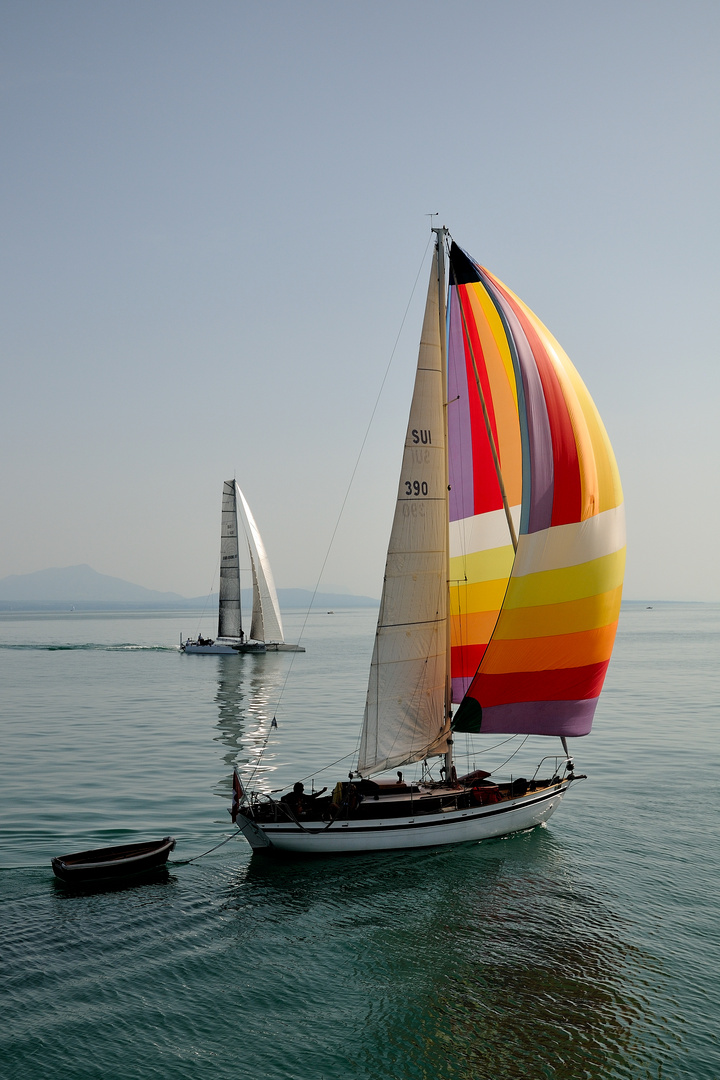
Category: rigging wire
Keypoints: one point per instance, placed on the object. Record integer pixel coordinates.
(514, 752)
(345, 499)
(208, 598)
(317, 772)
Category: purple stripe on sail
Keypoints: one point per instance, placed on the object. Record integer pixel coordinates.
(460, 686)
(539, 718)
(462, 492)
(541, 451)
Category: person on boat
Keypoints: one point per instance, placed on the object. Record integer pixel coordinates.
(298, 801)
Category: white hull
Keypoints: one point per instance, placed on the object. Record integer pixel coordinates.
(428, 830)
(220, 649)
(223, 648)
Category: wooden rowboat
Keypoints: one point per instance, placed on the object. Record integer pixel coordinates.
(121, 860)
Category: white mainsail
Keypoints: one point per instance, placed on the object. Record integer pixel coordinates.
(266, 622)
(229, 617)
(405, 713)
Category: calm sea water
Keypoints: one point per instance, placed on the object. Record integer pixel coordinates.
(589, 948)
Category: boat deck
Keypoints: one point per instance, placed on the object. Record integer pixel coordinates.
(357, 801)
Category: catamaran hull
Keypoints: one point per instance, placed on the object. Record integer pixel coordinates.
(223, 650)
(448, 827)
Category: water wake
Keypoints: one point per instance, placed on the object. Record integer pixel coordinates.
(90, 646)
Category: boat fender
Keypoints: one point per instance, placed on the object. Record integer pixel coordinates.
(337, 796)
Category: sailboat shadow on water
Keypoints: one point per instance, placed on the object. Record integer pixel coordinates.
(501, 592)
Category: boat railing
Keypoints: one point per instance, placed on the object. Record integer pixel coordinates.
(259, 797)
(556, 758)
(279, 808)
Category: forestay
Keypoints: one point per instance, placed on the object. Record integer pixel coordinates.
(405, 708)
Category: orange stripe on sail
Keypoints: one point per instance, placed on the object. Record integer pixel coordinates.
(547, 620)
(473, 628)
(550, 653)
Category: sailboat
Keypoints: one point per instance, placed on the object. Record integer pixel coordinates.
(266, 630)
(501, 592)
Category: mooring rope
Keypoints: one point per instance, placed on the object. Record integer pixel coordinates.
(185, 862)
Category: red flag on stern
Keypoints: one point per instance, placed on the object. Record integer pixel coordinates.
(237, 797)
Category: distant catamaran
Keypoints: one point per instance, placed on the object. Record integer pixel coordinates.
(501, 592)
(266, 631)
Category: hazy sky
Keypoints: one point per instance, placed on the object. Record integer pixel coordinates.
(213, 220)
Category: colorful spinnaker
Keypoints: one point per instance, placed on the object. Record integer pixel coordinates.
(532, 629)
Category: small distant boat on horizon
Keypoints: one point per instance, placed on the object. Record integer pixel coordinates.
(266, 630)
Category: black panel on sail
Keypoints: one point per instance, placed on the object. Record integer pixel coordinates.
(462, 268)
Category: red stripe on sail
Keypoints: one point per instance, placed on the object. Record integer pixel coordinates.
(562, 684)
(486, 490)
(465, 660)
(567, 488)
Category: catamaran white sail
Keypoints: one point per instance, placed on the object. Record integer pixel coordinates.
(502, 586)
(266, 631)
(266, 624)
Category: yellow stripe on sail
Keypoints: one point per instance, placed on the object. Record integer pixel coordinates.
(572, 617)
(491, 332)
(482, 566)
(478, 596)
(569, 583)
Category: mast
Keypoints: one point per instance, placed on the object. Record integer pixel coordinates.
(440, 233)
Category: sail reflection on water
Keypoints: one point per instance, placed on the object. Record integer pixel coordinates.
(245, 699)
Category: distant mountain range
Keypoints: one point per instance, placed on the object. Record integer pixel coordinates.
(82, 588)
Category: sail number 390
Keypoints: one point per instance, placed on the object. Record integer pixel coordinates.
(416, 487)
